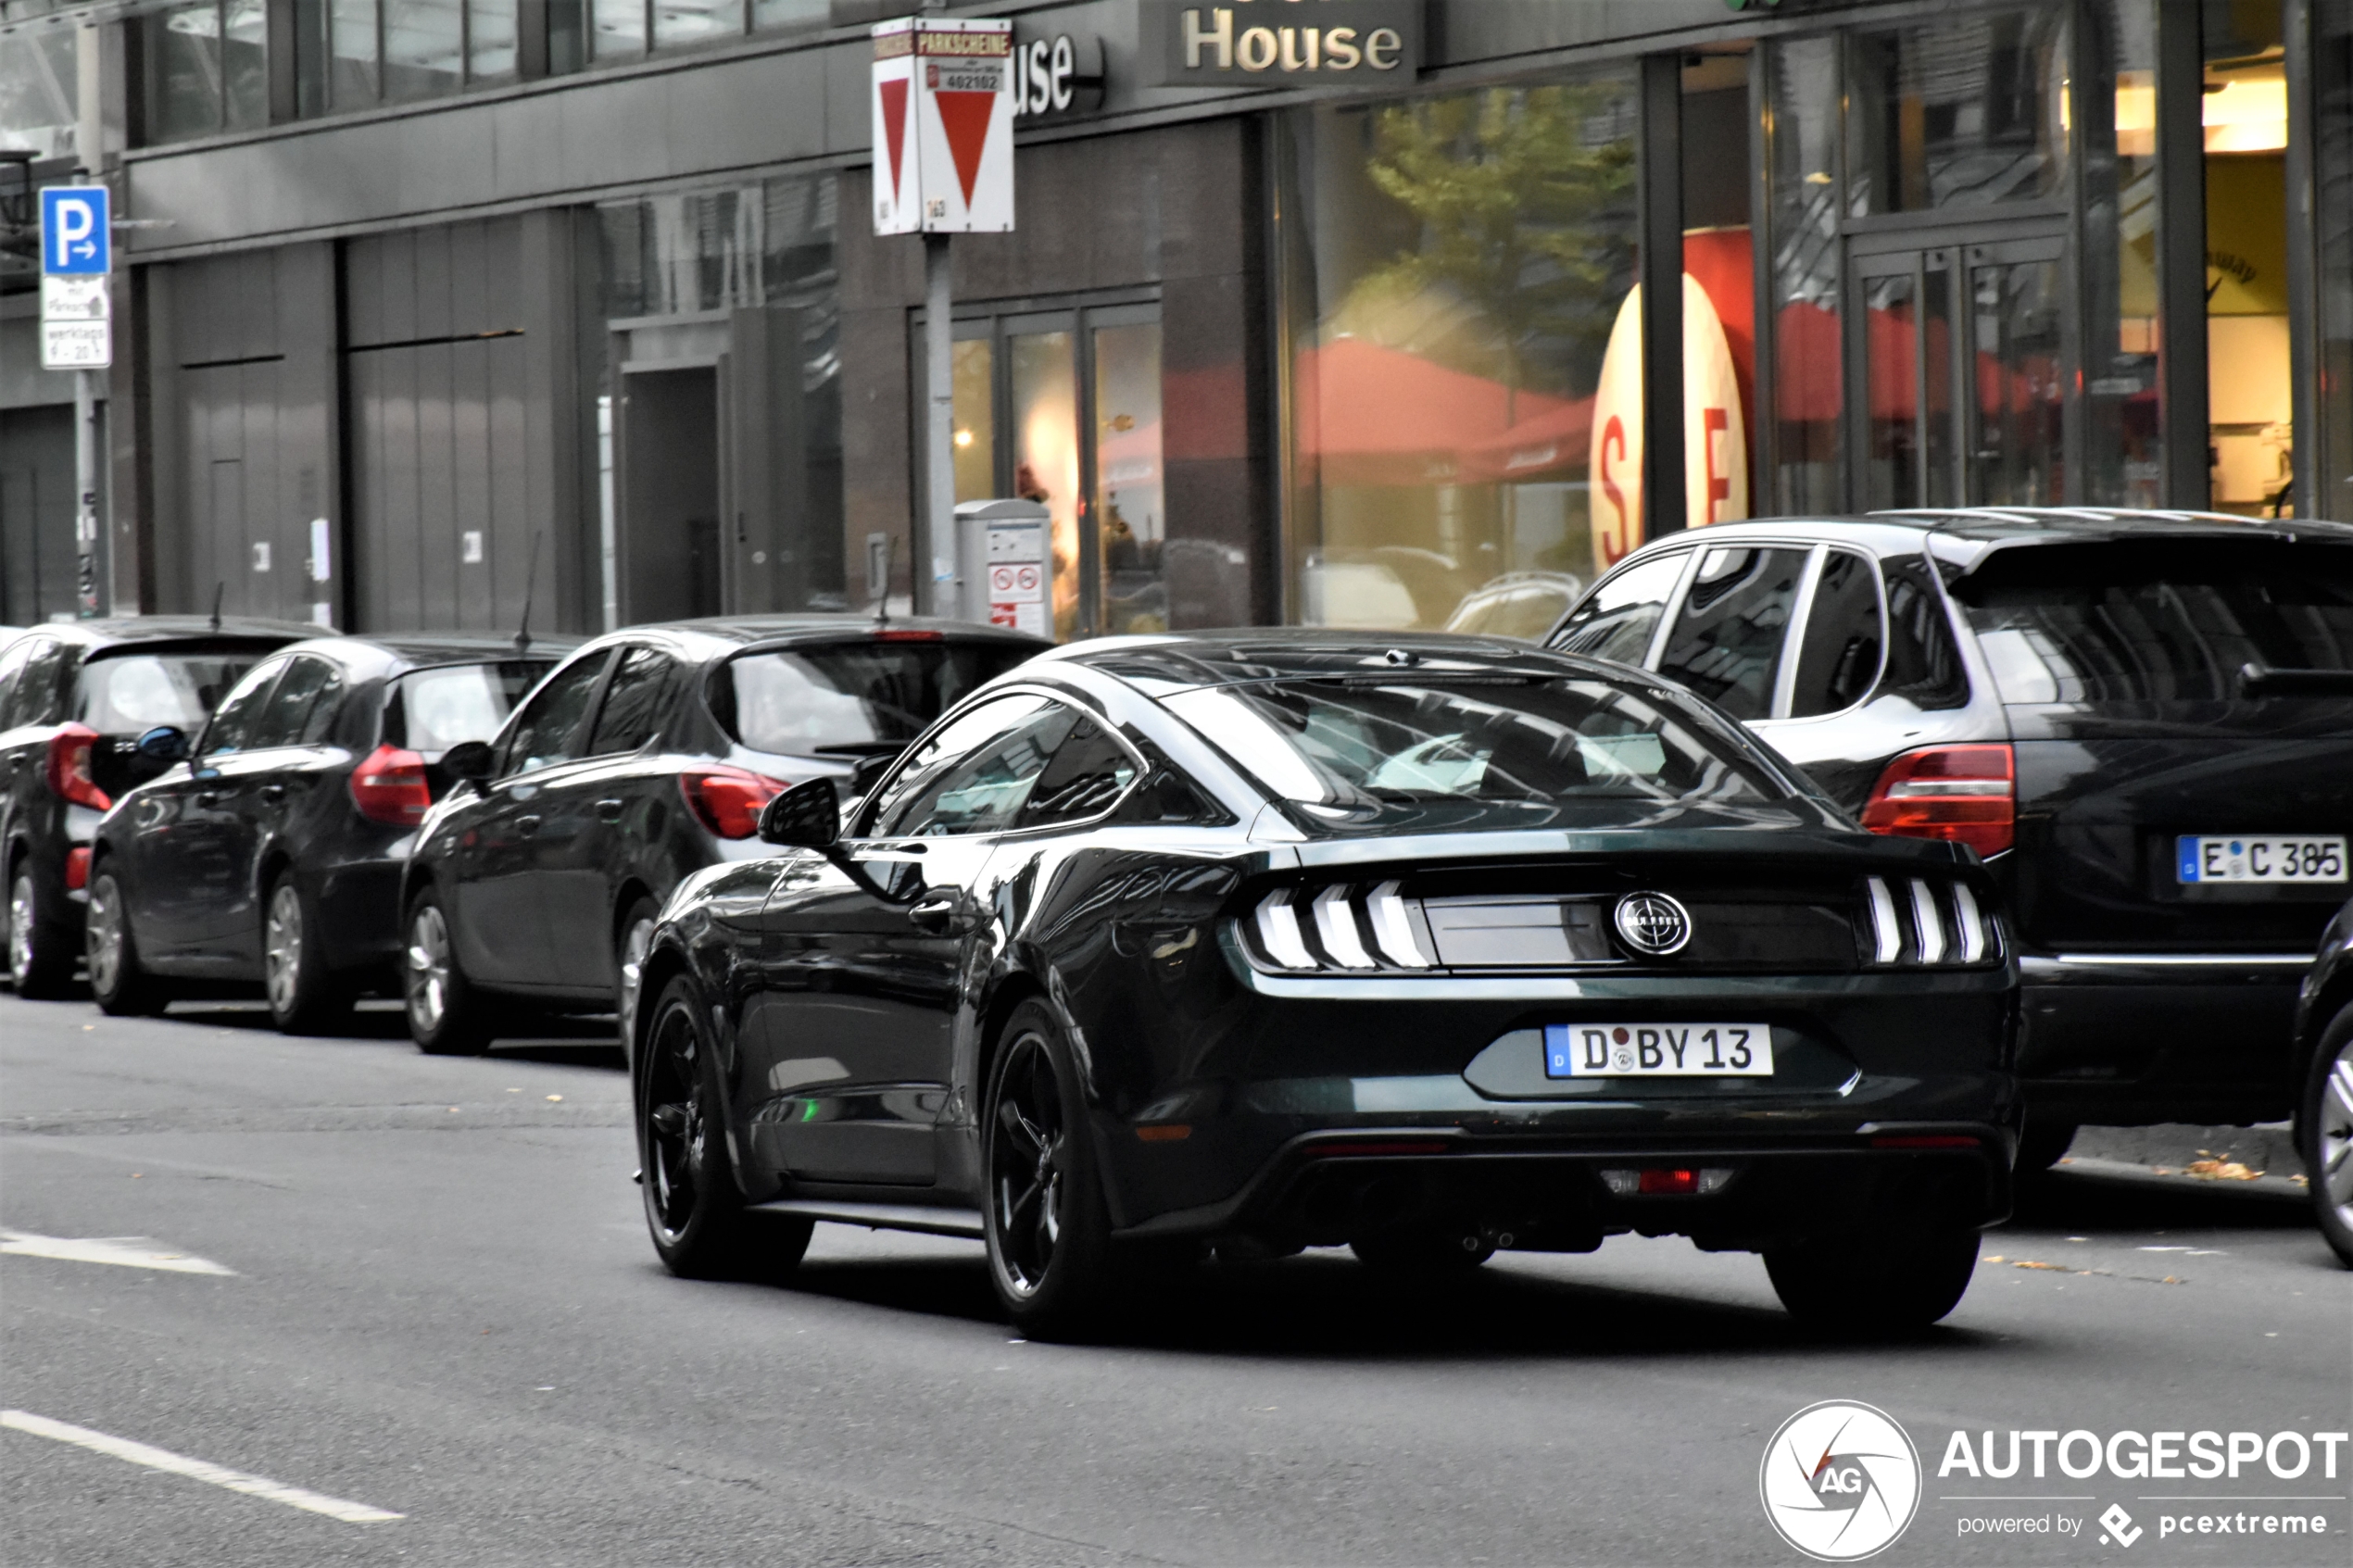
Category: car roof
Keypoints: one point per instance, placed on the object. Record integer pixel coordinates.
(1163, 663)
(119, 629)
(416, 649)
(716, 636)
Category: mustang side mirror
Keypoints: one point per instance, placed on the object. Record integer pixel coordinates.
(807, 816)
(164, 744)
(470, 759)
(870, 771)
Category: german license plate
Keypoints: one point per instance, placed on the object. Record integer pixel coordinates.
(2295, 857)
(1658, 1050)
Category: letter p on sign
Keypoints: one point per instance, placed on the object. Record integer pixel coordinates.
(74, 232)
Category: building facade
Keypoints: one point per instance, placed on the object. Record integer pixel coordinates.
(430, 309)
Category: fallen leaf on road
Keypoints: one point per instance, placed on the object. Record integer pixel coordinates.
(1993, 1257)
(2030, 1263)
(2212, 1169)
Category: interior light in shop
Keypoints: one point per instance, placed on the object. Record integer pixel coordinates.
(963, 438)
(2244, 114)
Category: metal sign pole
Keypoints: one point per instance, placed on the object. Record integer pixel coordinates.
(940, 431)
(85, 489)
(77, 254)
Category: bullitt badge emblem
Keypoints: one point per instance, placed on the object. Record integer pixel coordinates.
(1652, 923)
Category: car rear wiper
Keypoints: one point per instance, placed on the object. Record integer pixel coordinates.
(2258, 680)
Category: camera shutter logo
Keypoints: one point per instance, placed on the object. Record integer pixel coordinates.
(1652, 923)
(1841, 1481)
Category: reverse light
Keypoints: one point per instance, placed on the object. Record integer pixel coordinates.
(70, 768)
(1962, 793)
(727, 800)
(389, 787)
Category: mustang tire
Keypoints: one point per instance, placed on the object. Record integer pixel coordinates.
(1874, 1282)
(1049, 1251)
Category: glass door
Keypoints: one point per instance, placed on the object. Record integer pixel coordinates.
(1959, 352)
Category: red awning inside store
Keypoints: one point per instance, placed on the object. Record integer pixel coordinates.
(1560, 438)
(1370, 415)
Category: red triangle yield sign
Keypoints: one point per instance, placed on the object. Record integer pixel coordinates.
(894, 107)
(965, 116)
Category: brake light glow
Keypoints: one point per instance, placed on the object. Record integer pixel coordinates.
(1963, 794)
(70, 768)
(727, 800)
(77, 868)
(908, 634)
(389, 787)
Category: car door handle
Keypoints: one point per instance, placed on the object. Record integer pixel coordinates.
(609, 810)
(935, 912)
(526, 826)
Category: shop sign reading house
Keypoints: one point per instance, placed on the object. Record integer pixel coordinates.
(1280, 42)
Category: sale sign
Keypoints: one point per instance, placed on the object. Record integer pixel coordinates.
(1715, 432)
(943, 126)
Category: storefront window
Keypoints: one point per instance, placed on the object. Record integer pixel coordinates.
(351, 41)
(678, 22)
(1957, 112)
(617, 29)
(1802, 88)
(38, 87)
(2246, 302)
(1130, 502)
(2332, 464)
(1452, 270)
(207, 68)
(2123, 416)
(424, 48)
(790, 16)
(1719, 256)
(490, 40)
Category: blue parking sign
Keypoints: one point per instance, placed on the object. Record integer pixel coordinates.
(74, 238)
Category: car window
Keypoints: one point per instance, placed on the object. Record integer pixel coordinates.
(11, 666)
(975, 775)
(1924, 664)
(129, 693)
(633, 705)
(1839, 652)
(34, 701)
(1620, 620)
(238, 718)
(547, 731)
(1087, 774)
(436, 709)
(1726, 644)
(850, 697)
(307, 687)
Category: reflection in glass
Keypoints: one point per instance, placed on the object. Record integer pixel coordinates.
(680, 22)
(1451, 267)
(1720, 255)
(490, 40)
(1045, 433)
(1802, 78)
(1891, 475)
(1130, 500)
(790, 16)
(2246, 302)
(245, 65)
(1959, 112)
(39, 87)
(351, 41)
(618, 29)
(2123, 421)
(2018, 460)
(183, 65)
(424, 48)
(1935, 391)
(975, 436)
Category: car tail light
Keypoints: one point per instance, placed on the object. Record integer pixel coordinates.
(70, 768)
(1915, 920)
(728, 800)
(1339, 917)
(1964, 794)
(77, 868)
(908, 634)
(389, 787)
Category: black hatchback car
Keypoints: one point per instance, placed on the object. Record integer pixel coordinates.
(272, 848)
(646, 757)
(1428, 945)
(2143, 722)
(74, 699)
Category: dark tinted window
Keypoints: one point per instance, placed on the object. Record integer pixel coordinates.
(12, 665)
(547, 731)
(1618, 620)
(1923, 666)
(2157, 622)
(130, 692)
(633, 708)
(864, 696)
(238, 719)
(34, 700)
(1727, 641)
(975, 776)
(431, 710)
(1839, 656)
(309, 690)
(1089, 773)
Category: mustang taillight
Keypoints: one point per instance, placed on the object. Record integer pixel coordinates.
(1916, 921)
(1356, 929)
(389, 787)
(70, 768)
(727, 800)
(1964, 794)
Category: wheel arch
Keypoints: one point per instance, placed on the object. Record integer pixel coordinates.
(1011, 990)
(2332, 1000)
(633, 887)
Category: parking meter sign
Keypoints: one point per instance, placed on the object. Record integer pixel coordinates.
(76, 238)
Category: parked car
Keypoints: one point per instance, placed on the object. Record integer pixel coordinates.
(1427, 944)
(271, 849)
(647, 757)
(2143, 722)
(2324, 1109)
(74, 699)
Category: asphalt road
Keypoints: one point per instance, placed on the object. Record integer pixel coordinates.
(443, 1306)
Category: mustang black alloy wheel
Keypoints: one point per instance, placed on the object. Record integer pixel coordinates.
(117, 984)
(1050, 1253)
(2327, 1124)
(693, 1205)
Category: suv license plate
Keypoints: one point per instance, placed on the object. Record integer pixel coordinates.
(1658, 1050)
(2295, 857)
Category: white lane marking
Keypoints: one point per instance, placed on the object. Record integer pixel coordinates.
(127, 1251)
(195, 1468)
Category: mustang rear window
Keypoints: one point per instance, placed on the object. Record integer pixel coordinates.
(1534, 742)
(2157, 622)
(850, 697)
